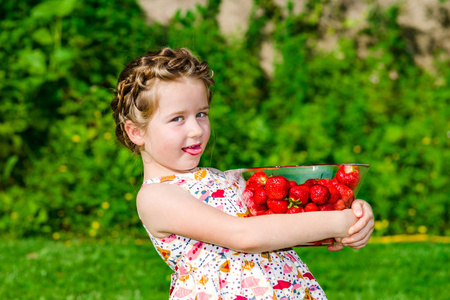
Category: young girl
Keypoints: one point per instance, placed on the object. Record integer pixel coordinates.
(194, 216)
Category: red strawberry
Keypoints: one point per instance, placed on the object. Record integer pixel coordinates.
(277, 206)
(258, 179)
(261, 207)
(260, 196)
(257, 209)
(247, 197)
(311, 181)
(348, 175)
(324, 181)
(277, 187)
(292, 183)
(339, 205)
(346, 193)
(295, 209)
(259, 213)
(299, 194)
(334, 180)
(319, 194)
(334, 193)
(311, 207)
(326, 207)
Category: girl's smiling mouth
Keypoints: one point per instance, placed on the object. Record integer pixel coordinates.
(193, 150)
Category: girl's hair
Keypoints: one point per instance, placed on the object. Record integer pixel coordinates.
(136, 96)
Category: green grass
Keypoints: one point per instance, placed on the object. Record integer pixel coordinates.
(383, 271)
(41, 269)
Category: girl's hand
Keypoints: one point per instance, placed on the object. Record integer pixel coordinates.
(361, 231)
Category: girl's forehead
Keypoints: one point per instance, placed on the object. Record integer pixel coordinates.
(181, 89)
(181, 94)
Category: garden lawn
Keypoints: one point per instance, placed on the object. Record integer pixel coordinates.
(42, 269)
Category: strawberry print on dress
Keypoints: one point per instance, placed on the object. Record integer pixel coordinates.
(208, 271)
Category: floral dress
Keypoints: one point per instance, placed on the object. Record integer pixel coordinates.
(208, 271)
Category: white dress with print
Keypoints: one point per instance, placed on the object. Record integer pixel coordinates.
(207, 271)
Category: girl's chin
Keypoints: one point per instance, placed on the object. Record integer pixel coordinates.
(189, 166)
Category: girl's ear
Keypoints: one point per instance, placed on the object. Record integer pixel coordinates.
(135, 134)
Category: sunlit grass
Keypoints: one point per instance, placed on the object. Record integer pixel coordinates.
(382, 271)
(41, 269)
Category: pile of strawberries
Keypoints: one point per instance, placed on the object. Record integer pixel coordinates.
(277, 195)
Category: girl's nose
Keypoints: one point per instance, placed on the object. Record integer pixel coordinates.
(195, 129)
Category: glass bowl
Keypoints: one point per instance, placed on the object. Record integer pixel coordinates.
(319, 187)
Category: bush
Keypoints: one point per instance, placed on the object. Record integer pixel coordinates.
(64, 175)
(381, 110)
(61, 59)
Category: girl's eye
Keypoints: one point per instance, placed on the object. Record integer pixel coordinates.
(202, 114)
(177, 119)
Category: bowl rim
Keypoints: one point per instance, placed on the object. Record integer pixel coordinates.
(296, 166)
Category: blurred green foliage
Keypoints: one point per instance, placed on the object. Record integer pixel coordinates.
(64, 175)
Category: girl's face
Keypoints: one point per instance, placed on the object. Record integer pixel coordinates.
(179, 129)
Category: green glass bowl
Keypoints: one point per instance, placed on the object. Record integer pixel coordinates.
(300, 174)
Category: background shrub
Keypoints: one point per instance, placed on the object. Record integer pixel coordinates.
(64, 175)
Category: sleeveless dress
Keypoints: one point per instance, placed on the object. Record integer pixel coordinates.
(208, 271)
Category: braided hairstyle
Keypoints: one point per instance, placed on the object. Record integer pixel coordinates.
(136, 96)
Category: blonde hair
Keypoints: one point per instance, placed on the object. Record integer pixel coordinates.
(136, 96)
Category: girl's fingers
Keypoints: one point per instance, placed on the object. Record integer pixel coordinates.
(357, 208)
(358, 226)
(360, 244)
(336, 247)
(360, 235)
(357, 241)
(365, 220)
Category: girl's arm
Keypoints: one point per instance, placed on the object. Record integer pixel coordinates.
(167, 209)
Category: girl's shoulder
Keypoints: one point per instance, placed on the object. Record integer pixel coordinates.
(154, 189)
